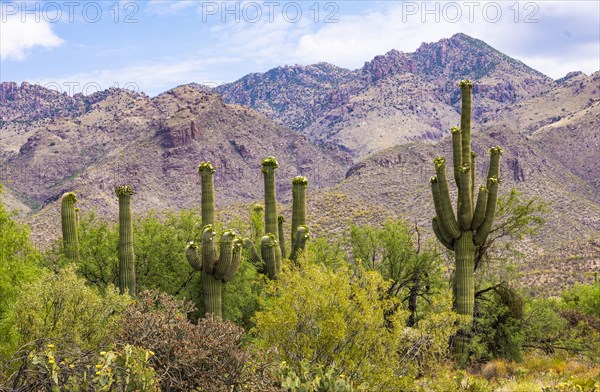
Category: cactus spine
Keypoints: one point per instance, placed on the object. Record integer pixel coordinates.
(69, 219)
(272, 244)
(217, 267)
(127, 281)
(471, 225)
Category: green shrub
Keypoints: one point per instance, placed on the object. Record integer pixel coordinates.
(60, 307)
(328, 318)
(50, 368)
(19, 262)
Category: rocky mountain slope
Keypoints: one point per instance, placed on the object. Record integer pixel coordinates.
(394, 98)
(390, 118)
(155, 145)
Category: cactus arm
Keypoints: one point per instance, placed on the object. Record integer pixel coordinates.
(302, 235)
(278, 258)
(448, 218)
(456, 152)
(465, 200)
(126, 254)
(269, 165)
(299, 185)
(494, 169)
(492, 184)
(466, 88)
(69, 222)
(77, 216)
(257, 224)
(268, 245)
(254, 257)
(209, 250)
(438, 234)
(486, 225)
(473, 172)
(191, 254)
(236, 260)
(480, 208)
(225, 254)
(206, 171)
(438, 209)
(280, 221)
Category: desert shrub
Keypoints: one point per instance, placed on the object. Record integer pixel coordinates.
(549, 327)
(208, 356)
(316, 317)
(60, 307)
(46, 367)
(313, 378)
(18, 267)
(497, 326)
(584, 298)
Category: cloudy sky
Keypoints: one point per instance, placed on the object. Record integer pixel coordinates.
(154, 45)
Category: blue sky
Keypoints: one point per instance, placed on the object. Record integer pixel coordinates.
(154, 45)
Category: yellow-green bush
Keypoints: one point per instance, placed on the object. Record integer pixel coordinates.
(60, 307)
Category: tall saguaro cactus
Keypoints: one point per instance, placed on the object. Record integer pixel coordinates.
(69, 221)
(471, 225)
(126, 254)
(217, 267)
(272, 244)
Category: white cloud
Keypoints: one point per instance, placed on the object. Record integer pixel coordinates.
(17, 38)
(149, 78)
(549, 36)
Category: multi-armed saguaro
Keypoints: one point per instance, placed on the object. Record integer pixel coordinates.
(126, 255)
(273, 242)
(471, 225)
(216, 269)
(69, 220)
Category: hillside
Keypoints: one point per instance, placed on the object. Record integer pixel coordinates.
(376, 130)
(155, 145)
(394, 98)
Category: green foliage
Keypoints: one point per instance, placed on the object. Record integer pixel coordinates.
(415, 273)
(311, 379)
(19, 262)
(584, 298)
(549, 327)
(123, 369)
(515, 219)
(319, 318)
(62, 308)
(326, 318)
(327, 250)
(498, 326)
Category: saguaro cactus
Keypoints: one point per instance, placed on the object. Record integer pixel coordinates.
(216, 269)
(126, 254)
(69, 220)
(273, 243)
(471, 225)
